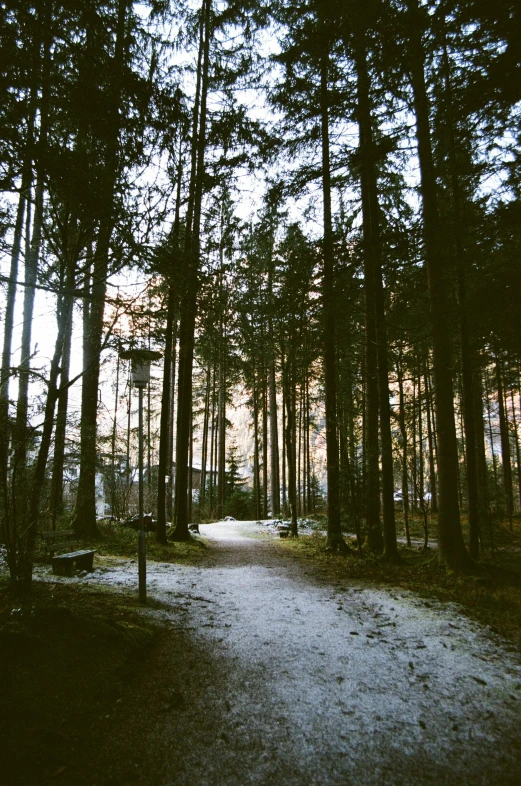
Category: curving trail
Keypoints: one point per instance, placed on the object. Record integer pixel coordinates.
(271, 674)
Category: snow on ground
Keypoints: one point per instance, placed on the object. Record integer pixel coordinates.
(342, 683)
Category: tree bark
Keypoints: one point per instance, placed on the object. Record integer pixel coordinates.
(467, 354)
(165, 460)
(189, 301)
(375, 310)
(430, 441)
(291, 451)
(451, 546)
(265, 459)
(84, 521)
(403, 434)
(505, 445)
(61, 416)
(334, 533)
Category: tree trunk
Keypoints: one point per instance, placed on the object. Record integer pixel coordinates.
(221, 423)
(451, 546)
(516, 442)
(274, 442)
(492, 450)
(204, 442)
(308, 450)
(430, 441)
(28, 536)
(403, 434)
(61, 421)
(84, 521)
(421, 479)
(213, 463)
(376, 308)
(265, 459)
(334, 533)
(505, 446)
(191, 469)
(414, 468)
(284, 483)
(21, 433)
(189, 302)
(5, 372)
(164, 422)
(165, 452)
(171, 422)
(291, 448)
(256, 468)
(274, 435)
(466, 348)
(481, 460)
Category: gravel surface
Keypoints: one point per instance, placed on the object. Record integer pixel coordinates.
(271, 672)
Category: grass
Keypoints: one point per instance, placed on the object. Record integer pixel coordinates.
(491, 593)
(116, 540)
(67, 653)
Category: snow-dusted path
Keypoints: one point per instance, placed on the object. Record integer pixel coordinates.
(273, 675)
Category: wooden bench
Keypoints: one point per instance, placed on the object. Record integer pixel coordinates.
(64, 564)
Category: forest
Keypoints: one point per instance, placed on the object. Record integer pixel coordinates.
(312, 210)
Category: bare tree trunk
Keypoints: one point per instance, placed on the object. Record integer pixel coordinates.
(375, 309)
(274, 441)
(256, 468)
(221, 422)
(23, 209)
(191, 469)
(213, 463)
(189, 301)
(421, 480)
(204, 445)
(265, 459)
(28, 536)
(451, 546)
(22, 408)
(430, 441)
(479, 426)
(516, 442)
(61, 423)
(85, 514)
(466, 348)
(334, 532)
(171, 422)
(307, 445)
(274, 434)
(505, 446)
(491, 441)
(9, 313)
(300, 463)
(284, 484)
(288, 376)
(414, 468)
(165, 417)
(403, 434)
(165, 452)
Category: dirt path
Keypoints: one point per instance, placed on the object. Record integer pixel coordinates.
(270, 674)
